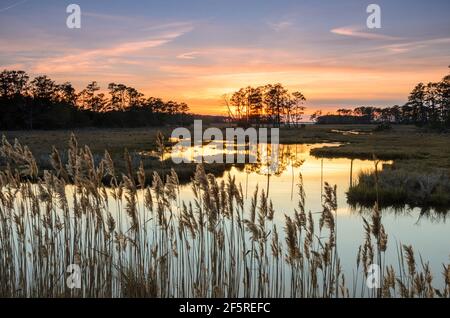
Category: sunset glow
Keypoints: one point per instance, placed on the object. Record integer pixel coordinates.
(197, 52)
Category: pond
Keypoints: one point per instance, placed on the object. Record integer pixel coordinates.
(428, 233)
(198, 239)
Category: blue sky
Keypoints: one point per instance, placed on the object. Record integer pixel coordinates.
(195, 51)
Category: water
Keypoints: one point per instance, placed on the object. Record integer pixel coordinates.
(429, 234)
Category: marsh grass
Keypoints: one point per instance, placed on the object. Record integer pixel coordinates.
(132, 239)
(399, 187)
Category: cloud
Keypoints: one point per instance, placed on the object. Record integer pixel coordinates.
(353, 31)
(281, 25)
(139, 23)
(106, 57)
(12, 6)
(415, 45)
(15, 66)
(226, 57)
(188, 55)
(109, 17)
(187, 25)
(88, 60)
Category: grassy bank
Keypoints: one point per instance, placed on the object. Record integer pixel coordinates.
(408, 145)
(399, 187)
(411, 147)
(418, 177)
(135, 141)
(116, 141)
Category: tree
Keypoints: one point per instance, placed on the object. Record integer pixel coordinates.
(296, 108)
(254, 104)
(431, 101)
(315, 115)
(444, 90)
(13, 83)
(238, 101)
(44, 104)
(90, 100)
(66, 94)
(344, 112)
(184, 108)
(386, 114)
(155, 105)
(270, 103)
(396, 114)
(43, 88)
(427, 104)
(276, 99)
(368, 111)
(416, 102)
(134, 98)
(246, 105)
(117, 99)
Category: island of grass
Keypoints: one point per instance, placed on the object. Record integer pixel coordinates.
(418, 177)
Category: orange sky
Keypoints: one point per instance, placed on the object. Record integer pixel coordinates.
(201, 50)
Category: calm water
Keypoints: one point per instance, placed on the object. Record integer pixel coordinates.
(429, 234)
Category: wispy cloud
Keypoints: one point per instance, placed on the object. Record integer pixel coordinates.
(280, 25)
(12, 6)
(15, 66)
(354, 31)
(105, 57)
(188, 55)
(109, 17)
(185, 25)
(415, 45)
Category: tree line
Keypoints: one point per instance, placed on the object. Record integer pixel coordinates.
(41, 103)
(427, 104)
(269, 104)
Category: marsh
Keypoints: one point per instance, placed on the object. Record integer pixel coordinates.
(249, 233)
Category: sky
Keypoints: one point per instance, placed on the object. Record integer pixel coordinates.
(195, 51)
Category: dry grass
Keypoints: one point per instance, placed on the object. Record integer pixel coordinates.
(136, 240)
(116, 142)
(398, 187)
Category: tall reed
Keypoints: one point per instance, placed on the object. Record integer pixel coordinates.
(131, 239)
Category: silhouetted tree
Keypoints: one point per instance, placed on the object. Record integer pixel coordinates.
(427, 105)
(296, 108)
(276, 99)
(271, 103)
(43, 89)
(238, 101)
(315, 115)
(66, 94)
(43, 104)
(89, 99)
(13, 83)
(344, 112)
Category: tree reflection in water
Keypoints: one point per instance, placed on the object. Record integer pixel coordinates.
(273, 162)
